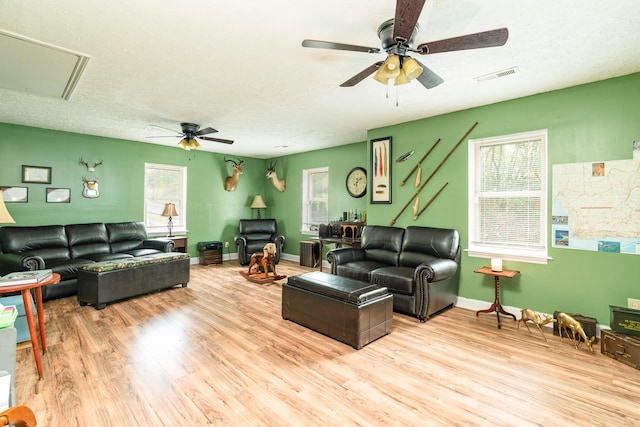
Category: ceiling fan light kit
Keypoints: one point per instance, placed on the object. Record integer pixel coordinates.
(191, 132)
(397, 35)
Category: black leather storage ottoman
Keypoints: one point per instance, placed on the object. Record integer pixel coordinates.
(350, 311)
(105, 282)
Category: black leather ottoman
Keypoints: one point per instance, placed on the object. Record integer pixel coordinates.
(350, 311)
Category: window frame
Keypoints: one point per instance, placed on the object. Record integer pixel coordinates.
(536, 253)
(306, 227)
(180, 221)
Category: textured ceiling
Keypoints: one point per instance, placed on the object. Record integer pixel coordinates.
(239, 66)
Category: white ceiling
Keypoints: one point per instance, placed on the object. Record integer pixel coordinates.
(238, 66)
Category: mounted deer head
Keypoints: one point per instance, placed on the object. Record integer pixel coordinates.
(90, 188)
(231, 182)
(90, 168)
(273, 176)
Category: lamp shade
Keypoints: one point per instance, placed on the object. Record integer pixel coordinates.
(411, 68)
(391, 67)
(169, 210)
(258, 203)
(5, 216)
(189, 144)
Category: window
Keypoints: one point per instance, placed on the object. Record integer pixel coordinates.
(164, 184)
(315, 198)
(508, 197)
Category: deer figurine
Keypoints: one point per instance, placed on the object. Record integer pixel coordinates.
(231, 182)
(273, 176)
(90, 168)
(567, 322)
(528, 315)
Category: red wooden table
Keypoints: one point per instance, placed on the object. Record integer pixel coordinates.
(496, 306)
(28, 307)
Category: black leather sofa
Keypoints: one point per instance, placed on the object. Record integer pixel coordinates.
(65, 248)
(420, 266)
(253, 234)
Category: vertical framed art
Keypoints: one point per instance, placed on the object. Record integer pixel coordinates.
(381, 170)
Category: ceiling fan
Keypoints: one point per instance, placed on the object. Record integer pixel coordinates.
(397, 36)
(190, 134)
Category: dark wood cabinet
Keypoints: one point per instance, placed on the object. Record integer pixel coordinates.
(213, 256)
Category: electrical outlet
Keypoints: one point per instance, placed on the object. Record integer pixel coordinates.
(226, 244)
(633, 303)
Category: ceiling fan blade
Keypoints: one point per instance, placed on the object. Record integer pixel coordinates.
(165, 136)
(428, 78)
(407, 14)
(206, 131)
(208, 138)
(470, 41)
(170, 130)
(362, 75)
(338, 46)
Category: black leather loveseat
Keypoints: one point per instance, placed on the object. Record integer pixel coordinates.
(65, 248)
(420, 266)
(253, 234)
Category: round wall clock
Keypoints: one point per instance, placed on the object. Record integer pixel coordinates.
(357, 182)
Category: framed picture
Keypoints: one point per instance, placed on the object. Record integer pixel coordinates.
(58, 195)
(381, 170)
(15, 194)
(36, 174)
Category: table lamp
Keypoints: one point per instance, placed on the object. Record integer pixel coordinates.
(258, 204)
(170, 211)
(5, 216)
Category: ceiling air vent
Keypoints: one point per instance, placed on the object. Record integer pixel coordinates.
(39, 68)
(495, 75)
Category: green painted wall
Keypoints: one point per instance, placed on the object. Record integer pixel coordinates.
(585, 123)
(212, 212)
(286, 206)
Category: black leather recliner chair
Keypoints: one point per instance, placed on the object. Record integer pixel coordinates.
(253, 234)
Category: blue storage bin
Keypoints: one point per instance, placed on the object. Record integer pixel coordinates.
(21, 321)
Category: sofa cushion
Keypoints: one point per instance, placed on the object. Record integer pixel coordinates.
(48, 241)
(107, 257)
(382, 244)
(266, 237)
(261, 226)
(87, 239)
(67, 269)
(396, 279)
(434, 242)
(359, 270)
(125, 236)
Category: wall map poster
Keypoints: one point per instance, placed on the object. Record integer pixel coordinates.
(596, 205)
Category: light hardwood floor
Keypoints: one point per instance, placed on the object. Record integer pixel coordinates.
(218, 353)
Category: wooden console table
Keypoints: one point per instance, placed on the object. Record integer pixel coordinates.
(338, 241)
(496, 306)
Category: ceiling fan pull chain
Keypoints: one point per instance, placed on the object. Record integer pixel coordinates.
(396, 96)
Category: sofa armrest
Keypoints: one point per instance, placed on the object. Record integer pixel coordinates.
(344, 255)
(20, 262)
(277, 238)
(161, 244)
(436, 270)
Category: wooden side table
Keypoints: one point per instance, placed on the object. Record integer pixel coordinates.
(496, 306)
(26, 298)
(180, 243)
